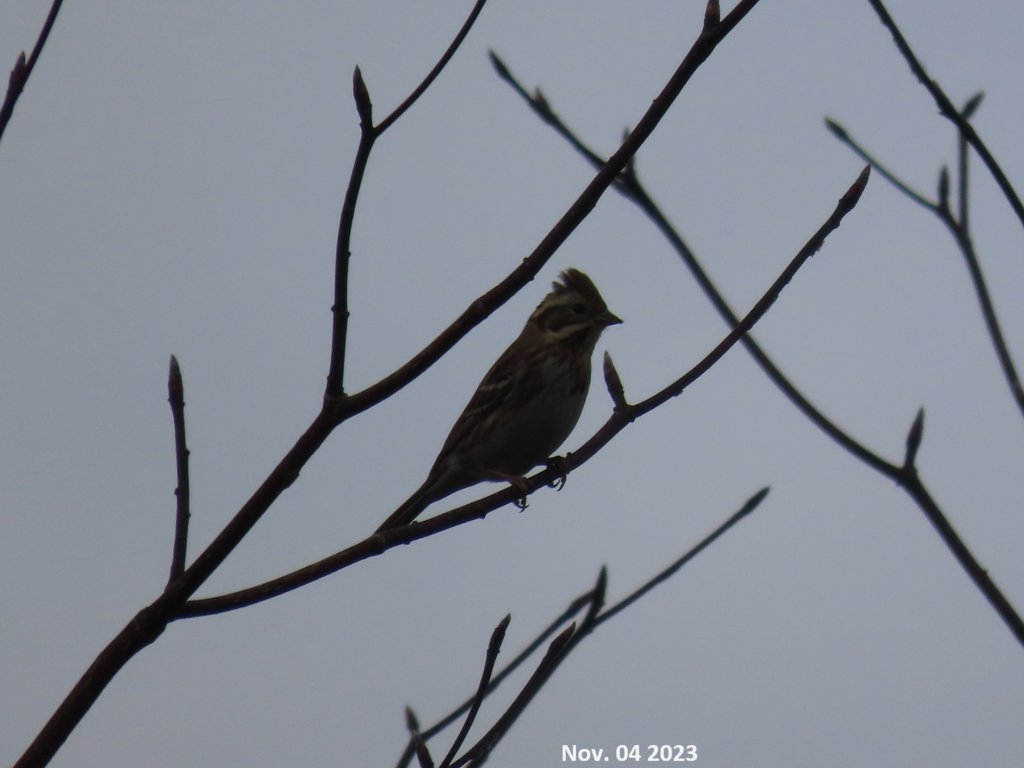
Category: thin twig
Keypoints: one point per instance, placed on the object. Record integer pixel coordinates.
(969, 108)
(400, 110)
(22, 68)
(481, 690)
(988, 310)
(841, 133)
(845, 205)
(949, 111)
(335, 389)
(368, 135)
(557, 651)
(752, 503)
(176, 396)
(978, 574)
(575, 607)
(961, 233)
(478, 753)
(422, 752)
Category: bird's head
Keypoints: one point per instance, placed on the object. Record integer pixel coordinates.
(574, 312)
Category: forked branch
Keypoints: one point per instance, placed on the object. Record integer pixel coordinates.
(369, 133)
(960, 230)
(949, 111)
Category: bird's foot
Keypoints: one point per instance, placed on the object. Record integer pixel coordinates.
(522, 491)
(518, 483)
(561, 466)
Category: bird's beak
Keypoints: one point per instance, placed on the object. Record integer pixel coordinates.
(607, 318)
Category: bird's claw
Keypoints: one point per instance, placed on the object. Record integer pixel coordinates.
(561, 466)
(521, 488)
(519, 485)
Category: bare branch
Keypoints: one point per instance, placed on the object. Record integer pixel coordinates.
(543, 110)
(481, 691)
(846, 204)
(949, 111)
(22, 68)
(840, 133)
(988, 310)
(176, 396)
(978, 574)
(961, 233)
(581, 602)
(752, 503)
(442, 62)
(964, 156)
(339, 338)
(482, 748)
(335, 389)
(422, 753)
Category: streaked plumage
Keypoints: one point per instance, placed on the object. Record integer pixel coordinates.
(528, 402)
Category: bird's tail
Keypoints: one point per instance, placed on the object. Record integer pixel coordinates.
(410, 508)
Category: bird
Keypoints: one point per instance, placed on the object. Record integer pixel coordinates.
(528, 402)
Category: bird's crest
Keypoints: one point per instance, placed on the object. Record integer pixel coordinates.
(574, 280)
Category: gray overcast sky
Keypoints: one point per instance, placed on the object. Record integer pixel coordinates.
(171, 182)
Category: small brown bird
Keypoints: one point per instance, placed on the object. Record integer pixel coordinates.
(528, 402)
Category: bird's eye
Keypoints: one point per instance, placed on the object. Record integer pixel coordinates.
(578, 309)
